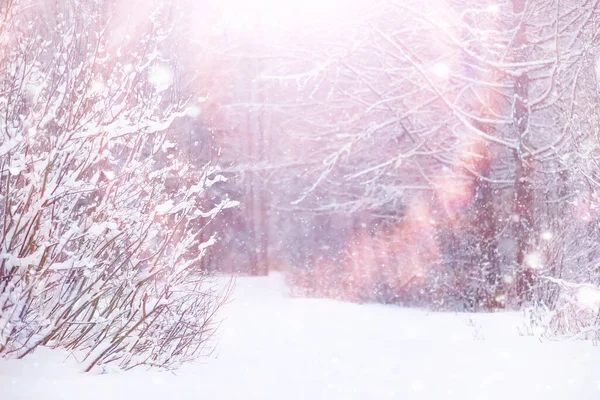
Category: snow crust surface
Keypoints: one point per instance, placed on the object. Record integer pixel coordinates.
(273, 346)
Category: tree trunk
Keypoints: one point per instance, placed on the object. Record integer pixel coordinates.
(487, 245)
(523, 170)
(256, 145)
(524, 211)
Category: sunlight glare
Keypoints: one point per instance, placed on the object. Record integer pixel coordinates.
(243, 15)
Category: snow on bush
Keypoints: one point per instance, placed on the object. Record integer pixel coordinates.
(576, 314)
(100, 223)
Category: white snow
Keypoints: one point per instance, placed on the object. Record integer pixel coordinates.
(165, 207)
(276, 347)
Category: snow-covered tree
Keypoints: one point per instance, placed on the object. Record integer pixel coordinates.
(482, 112)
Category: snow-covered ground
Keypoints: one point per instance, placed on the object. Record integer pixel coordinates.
(276, 347)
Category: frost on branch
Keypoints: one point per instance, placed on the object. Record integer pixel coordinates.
(91, 257)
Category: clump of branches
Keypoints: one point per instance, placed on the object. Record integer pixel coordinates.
(102, 228)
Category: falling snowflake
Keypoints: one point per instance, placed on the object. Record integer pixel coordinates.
(161, 77)
(547, 235)
(493, 9)
(441, 70)
(589, 296)
(534, 260)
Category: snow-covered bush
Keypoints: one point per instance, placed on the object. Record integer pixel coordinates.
(575, 314)
(100, 220)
